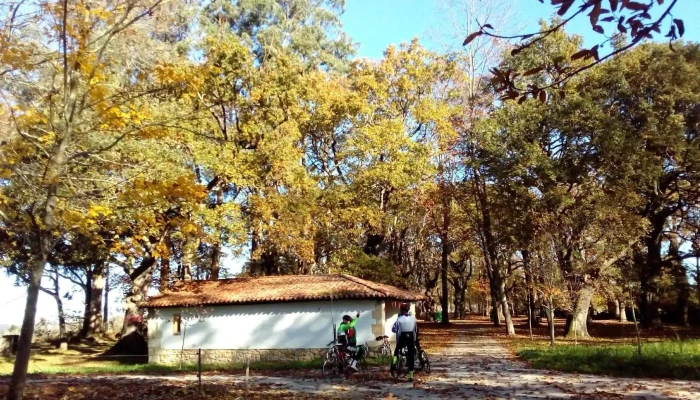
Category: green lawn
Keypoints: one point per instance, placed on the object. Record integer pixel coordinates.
(665, 359)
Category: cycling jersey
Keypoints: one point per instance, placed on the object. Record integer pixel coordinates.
(347, 335)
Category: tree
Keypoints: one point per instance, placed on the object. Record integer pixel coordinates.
(74, 96)
(661, 140)
(625, 16)
(309, 29)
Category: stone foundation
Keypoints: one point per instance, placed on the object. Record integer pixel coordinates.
(210, 356)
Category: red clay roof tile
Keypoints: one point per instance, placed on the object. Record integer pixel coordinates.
(283, 288)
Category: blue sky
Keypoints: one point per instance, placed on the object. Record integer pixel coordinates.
(374, 25)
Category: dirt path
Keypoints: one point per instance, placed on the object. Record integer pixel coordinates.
(473, 368)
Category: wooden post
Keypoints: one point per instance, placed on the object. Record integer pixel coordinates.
(529, 315)
(247, 374)
(636, 326)
(199, 370)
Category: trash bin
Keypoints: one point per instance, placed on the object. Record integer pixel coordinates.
(438, 316)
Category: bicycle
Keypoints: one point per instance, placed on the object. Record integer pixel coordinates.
(401, 369)
(336, 366)
(385, 348)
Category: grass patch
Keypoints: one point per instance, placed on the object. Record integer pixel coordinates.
(57, 364)
(677, 359)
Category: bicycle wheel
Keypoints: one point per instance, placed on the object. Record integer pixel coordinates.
(395, 371)
(425, 362)
(327, 354)
(402, 366)
(333, 370)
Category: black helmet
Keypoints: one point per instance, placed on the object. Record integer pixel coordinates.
(405, 308)
(347, 318)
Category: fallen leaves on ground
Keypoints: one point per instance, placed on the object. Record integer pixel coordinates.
(117, 389)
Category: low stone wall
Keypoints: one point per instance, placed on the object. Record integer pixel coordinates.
(189, 356)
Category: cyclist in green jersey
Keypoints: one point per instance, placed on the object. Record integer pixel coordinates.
(347, 336)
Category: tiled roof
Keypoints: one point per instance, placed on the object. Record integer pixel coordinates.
(281, 288)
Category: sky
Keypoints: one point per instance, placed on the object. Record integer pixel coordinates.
(373, 25)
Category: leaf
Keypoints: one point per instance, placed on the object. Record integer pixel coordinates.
(660, 2)
(533, 71)
(613, 4)
(565, 6)
(522, 99)
(488, 26)
(510, 95)
(635, 6)
(608, 19)
(542, 96)
(594, 53)
(598, 29)
(471, 37)
(672, 33)
(680, 25)
(562, 94)
(515, 51)
(621, 28)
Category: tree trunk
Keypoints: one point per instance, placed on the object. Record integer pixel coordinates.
(650, 271)
(577, 324)
(19, 373)
(446, 251)
(140, 282)
(490, 250)
(697, 280)
(460, 299)
(189, 251)
(164, 282)
(532, 306)
(496, 313)
(623, 311)
(95, 324)
(680, 278)
(105, 312)
(445, 298)
(510, 329)
(215, 262)
(61, 317)
(44, 234)
(616, 310)
(550, 321)
(216, 251)
(87, 311)
(56, 294)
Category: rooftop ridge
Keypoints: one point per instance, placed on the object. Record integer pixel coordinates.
(274, 288)
(365, 283)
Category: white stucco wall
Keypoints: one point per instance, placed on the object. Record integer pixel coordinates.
(259, 326)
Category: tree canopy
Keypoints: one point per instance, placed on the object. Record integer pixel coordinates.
(149, 142)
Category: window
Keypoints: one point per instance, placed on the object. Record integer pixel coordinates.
(176, 324)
